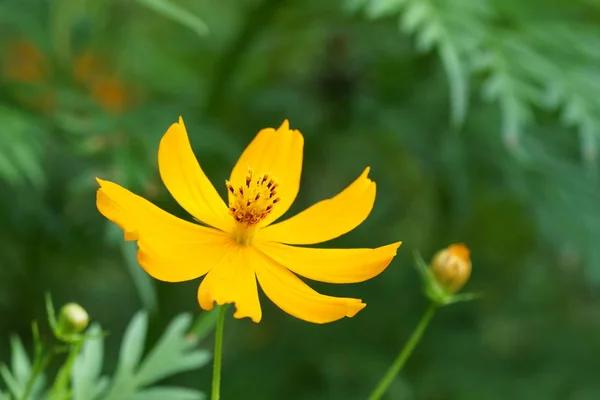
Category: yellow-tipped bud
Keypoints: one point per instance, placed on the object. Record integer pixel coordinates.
(452, 267)
(72, 319)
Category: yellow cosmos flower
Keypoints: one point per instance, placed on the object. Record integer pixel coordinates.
(241, 243)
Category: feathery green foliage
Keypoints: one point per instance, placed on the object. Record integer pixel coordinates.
(521, 59)
(135, 378)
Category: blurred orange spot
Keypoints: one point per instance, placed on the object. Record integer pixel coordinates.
(24, 62)
(110, 93)
(90, 69)
(87, 66)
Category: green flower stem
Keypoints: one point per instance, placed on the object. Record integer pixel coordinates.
(216, 380)
(407, 350)
(60, 389)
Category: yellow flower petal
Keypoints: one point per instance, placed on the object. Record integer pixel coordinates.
(279, 154)
(232, 281)
(296, 298)
(327, 219)
(187, 183)
(331, 265)
(170, 249)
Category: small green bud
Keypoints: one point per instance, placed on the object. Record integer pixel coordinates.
(72, 319)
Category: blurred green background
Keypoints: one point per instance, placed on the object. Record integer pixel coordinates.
(479, 119)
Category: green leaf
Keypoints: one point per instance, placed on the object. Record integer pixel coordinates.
(429, 37)
(175, 352)
(355, 5)
(177, 14)
(205, 324)
(171, 393)
(86, 381)
(416, 14)
(20, 364)
(17, 379)
(514, 117)
(20, 148)
(11, 382)
(457, 78)
(141, 280)
(172, 354)
(51, 312)
(382, 8)
(132, 346)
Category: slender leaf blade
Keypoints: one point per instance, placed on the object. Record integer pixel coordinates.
(85, 376)
(171, 393)
(132, 346)
(178, 14)
(21, 366)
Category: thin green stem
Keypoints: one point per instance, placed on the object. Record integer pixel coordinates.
(40, 361)
(61, 383)
(407, 350)
(216, 381)
(38, 367)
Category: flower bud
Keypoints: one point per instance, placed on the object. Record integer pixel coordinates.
(72, 319)
(452, 267)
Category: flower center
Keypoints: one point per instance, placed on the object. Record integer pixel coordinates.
(250, 203)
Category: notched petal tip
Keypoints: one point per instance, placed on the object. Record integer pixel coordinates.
(180, 122)
(354, 307)
(285, 125)
(395, 246)
(238, 313)
(243, 312)
(368, 183)
(365, 182)
(176, 128)
(232, 282)
(365, 174)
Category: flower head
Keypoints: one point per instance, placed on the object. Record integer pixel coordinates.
(240, 243)
(452, 267)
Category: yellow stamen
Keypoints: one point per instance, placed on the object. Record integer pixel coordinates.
(251, 203)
